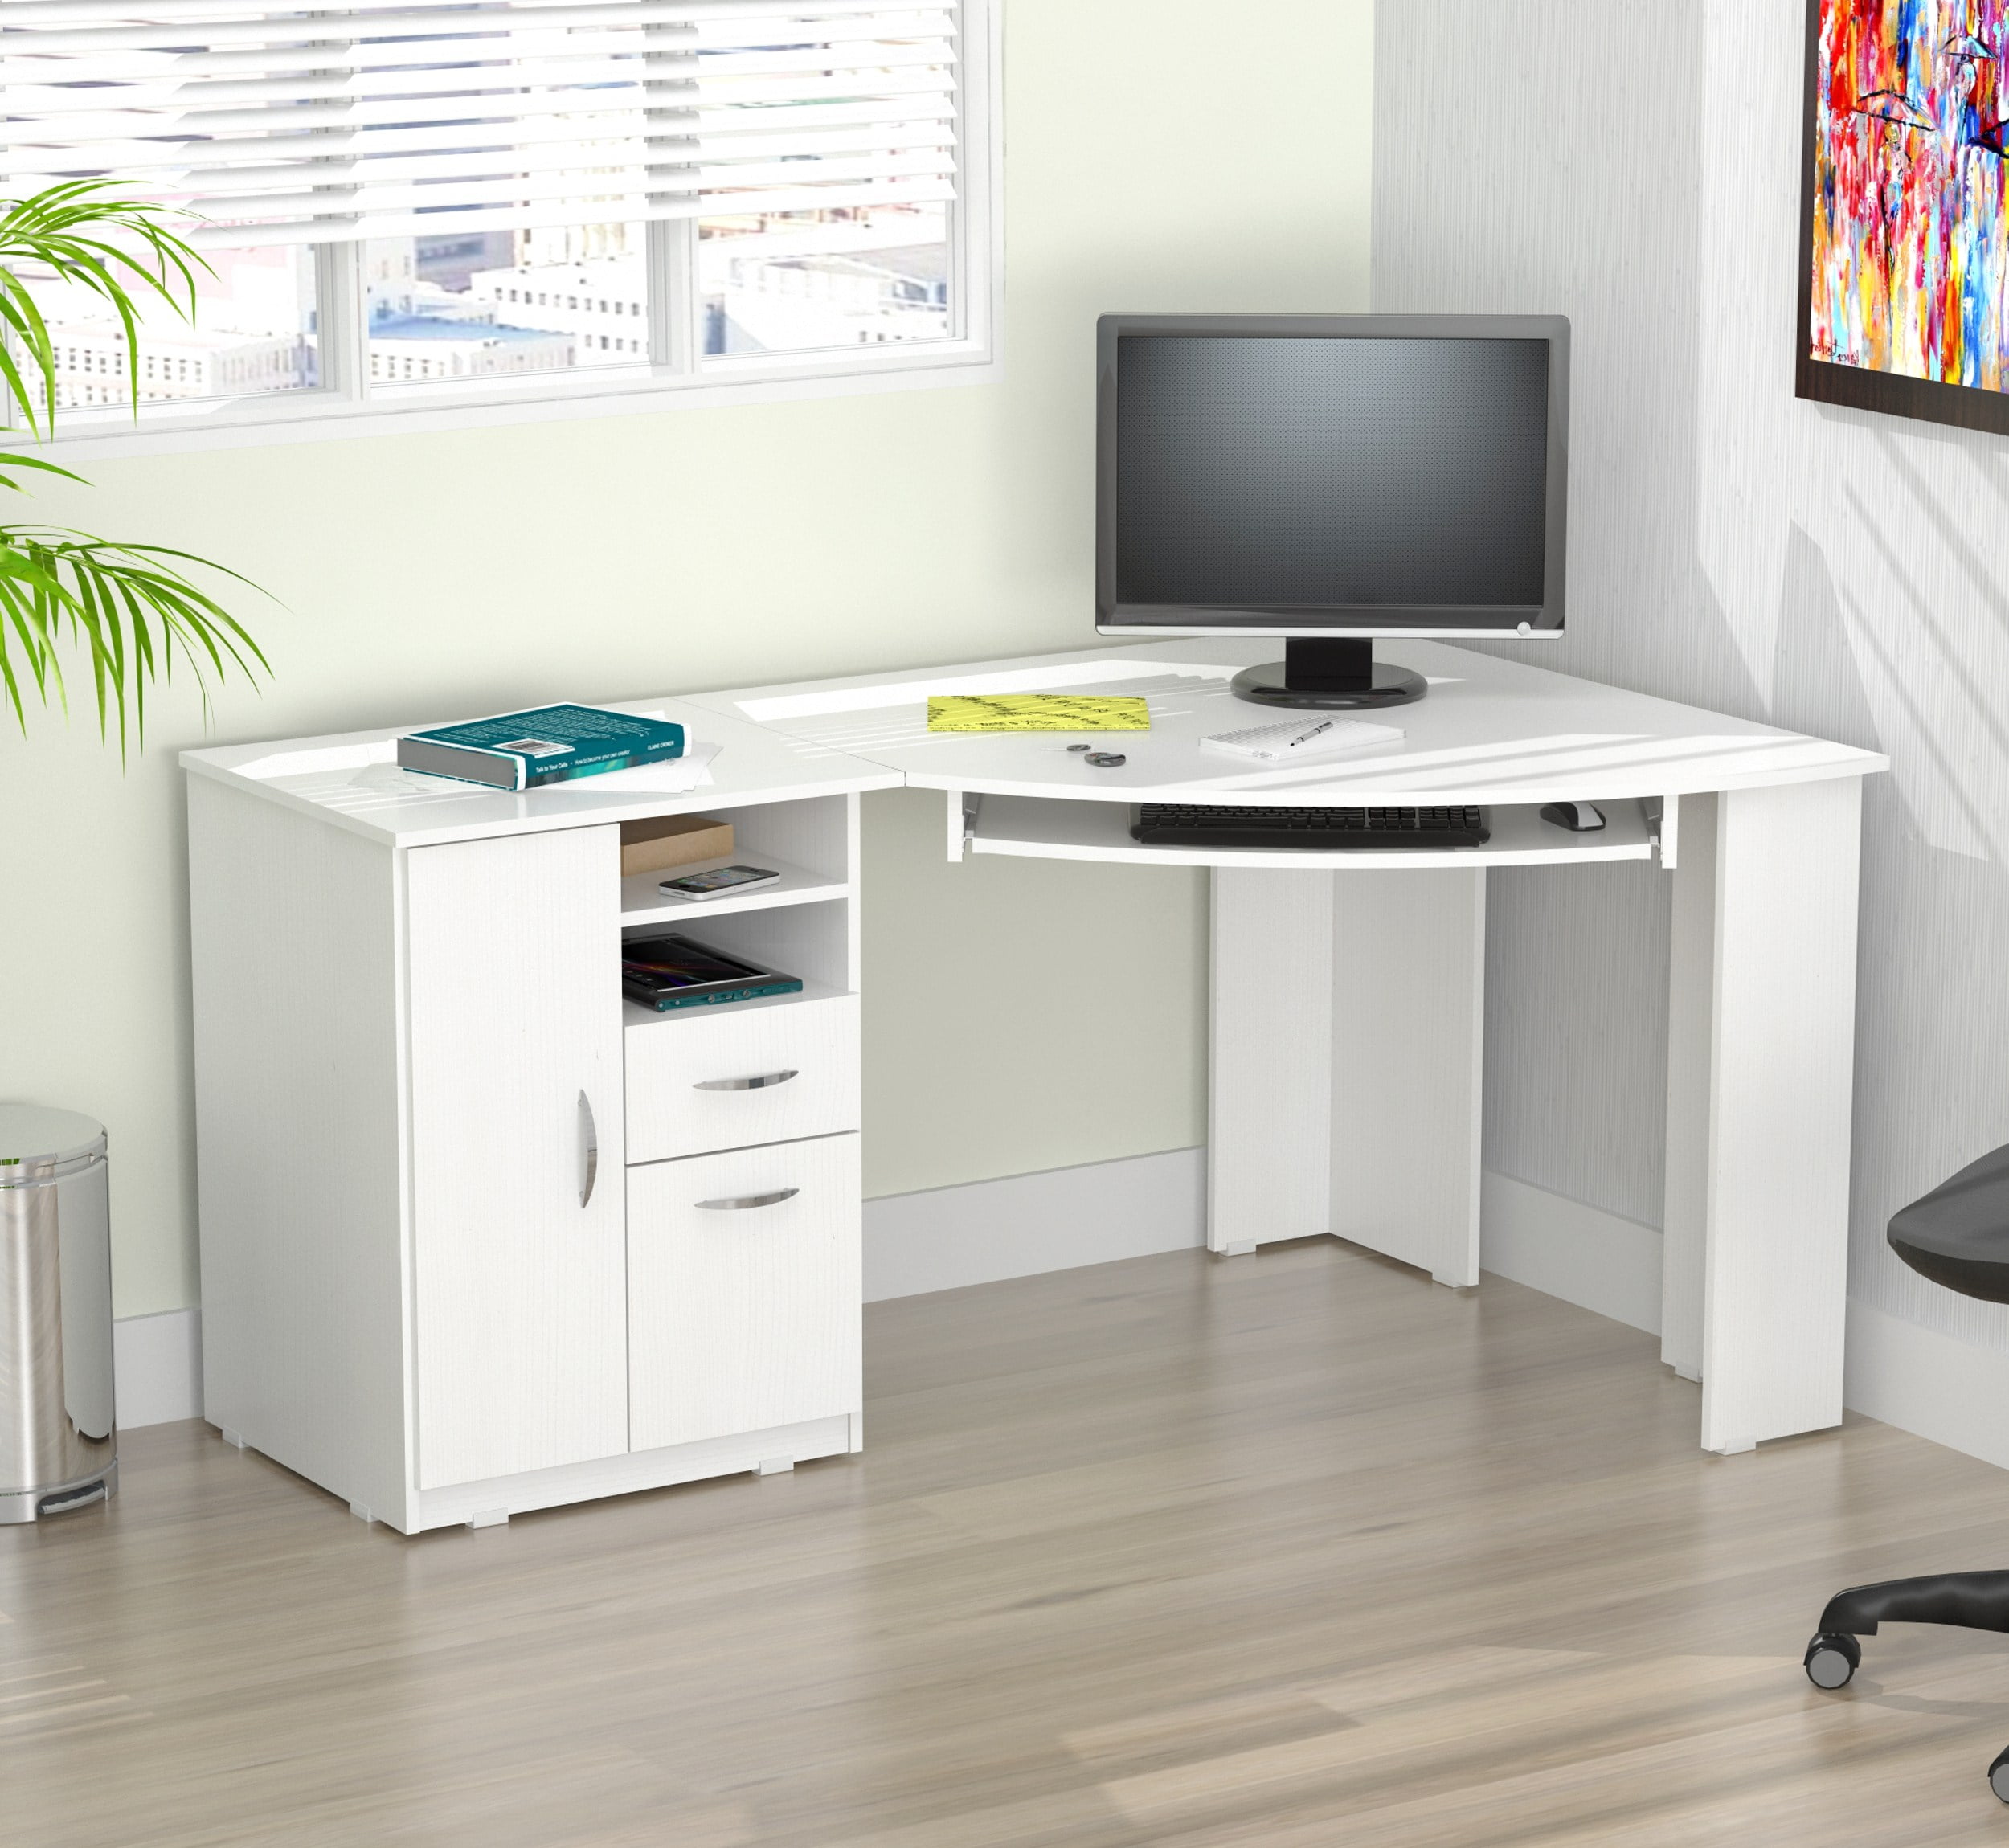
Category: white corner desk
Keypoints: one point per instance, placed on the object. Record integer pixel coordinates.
(480, 1236)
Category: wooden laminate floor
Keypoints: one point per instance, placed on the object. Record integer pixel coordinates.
(1293, 1549)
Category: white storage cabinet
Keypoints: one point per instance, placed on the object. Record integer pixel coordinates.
(478, 1235)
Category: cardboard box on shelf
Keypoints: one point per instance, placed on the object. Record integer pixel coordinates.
(668, 841)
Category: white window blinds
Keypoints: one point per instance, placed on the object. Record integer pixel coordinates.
(387, 119)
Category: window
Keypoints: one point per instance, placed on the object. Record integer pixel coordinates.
(455, 194)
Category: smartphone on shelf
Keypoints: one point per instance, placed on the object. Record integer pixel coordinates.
(718, 882)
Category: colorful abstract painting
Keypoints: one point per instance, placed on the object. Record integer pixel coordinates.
(1908, 250)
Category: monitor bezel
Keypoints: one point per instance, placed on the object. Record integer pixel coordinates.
(1469, 622)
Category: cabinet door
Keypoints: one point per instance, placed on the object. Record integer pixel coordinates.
(513, 973)
(744, 1290)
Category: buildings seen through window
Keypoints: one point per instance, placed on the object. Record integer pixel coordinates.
(492, 304)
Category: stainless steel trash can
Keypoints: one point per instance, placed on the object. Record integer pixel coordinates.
(59, 1448)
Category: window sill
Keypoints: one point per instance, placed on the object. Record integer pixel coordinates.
(318, 416)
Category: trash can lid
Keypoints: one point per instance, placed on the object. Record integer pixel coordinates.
(31, 1135)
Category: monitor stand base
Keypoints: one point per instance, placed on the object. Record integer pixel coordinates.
(1339, 675)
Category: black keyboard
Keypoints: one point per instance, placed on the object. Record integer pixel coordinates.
(1321, 830)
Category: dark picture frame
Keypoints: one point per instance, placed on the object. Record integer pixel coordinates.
(1861, 387)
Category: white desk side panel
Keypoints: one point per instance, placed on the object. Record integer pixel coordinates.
(1776, 1271)
(1269, 1077)
(293, 942)
(1690, 1079)
(520, 1292)
(1408, 1024)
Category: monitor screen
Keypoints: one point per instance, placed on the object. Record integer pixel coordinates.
(1363, 481)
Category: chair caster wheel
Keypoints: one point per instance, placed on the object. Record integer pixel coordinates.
(1831, 1662)
(1998, 1775)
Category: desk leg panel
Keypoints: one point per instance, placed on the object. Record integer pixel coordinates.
(1348, 1021)
(1409, 952)
(1269, 1074)
(1690, 1052)
(1782, 1035)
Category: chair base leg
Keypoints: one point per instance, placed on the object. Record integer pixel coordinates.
(1968, 1601)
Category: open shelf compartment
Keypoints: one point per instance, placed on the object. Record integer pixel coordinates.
(812, 844)
(810, 932)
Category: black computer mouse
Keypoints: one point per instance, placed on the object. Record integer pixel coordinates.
(1578, 817)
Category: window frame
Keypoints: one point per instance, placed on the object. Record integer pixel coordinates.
(680, 374)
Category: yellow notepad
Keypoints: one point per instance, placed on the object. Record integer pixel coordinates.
(1038, 712)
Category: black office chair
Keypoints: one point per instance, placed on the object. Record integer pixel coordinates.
(1958, 1236)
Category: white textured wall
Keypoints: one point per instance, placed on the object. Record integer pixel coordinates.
(1638, 168)
(1151, 162)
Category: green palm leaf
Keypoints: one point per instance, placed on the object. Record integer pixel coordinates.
(132, 610)
(87, 232)
(8, 461)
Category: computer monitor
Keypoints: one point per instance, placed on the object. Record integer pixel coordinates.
(1329, 479)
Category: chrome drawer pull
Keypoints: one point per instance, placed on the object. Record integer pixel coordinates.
(758, 1084)
(747, 1200)
(589, 1150)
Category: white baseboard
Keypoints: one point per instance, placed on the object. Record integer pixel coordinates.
(1932, 1384)
(1025, 1224)
(914, 1243)
(1563, 1247)
(157, 1361)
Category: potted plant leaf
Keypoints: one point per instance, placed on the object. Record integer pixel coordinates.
(131, 610)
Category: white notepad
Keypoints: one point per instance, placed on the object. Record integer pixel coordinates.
(1301, 738)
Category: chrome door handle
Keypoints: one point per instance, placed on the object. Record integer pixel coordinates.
(747, 1200)
(758, 1084)
(589, 1144)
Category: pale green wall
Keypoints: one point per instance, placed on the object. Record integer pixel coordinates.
(1153, 161)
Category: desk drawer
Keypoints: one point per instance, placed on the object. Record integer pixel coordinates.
(743, 1288)
(729, 1078)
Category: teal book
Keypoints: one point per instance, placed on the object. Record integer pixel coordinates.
(548, 744)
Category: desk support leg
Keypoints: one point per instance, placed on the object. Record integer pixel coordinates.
(1761, 1053)
(1269, 1062)
(1691, 1048)
(1347, 1014)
